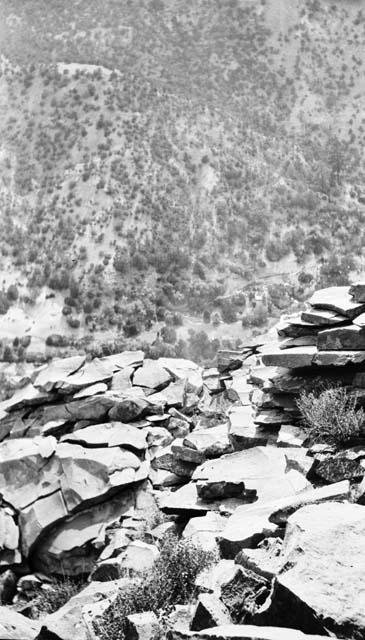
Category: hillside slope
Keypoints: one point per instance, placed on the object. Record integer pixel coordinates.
(158, 156)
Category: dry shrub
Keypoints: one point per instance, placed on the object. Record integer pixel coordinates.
(170, 581)
(331, 415)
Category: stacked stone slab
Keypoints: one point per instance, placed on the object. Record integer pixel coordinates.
(324, 344)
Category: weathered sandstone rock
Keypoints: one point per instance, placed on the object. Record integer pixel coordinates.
(68, 548)
(249, 524)
(182, 369)
(295, 358)
(338, 358)
(20, 464)
(57, 372)
(342, 339)
(124, 360)
(109, 434)
(14, 626)
(295, 327)
(320, 586)
(90, 373)
(322, 317)
(94, 390)
(261, 471)
(172, 396)
(337, 299)
(152, 375)
(265, 560)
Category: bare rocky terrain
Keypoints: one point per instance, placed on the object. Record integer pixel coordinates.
(178, 459)
(256, 465)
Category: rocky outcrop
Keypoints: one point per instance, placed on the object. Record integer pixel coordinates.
(94, 454)
(319, 587)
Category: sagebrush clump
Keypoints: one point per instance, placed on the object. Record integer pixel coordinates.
(53, 598)
(170, 581)
(331, 415)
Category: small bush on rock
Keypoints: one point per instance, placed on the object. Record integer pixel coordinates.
(171, 581)
(55, 596)
(331, 415)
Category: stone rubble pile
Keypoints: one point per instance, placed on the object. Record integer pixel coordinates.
(99, 460)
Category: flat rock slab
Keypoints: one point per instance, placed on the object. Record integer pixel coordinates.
(122, 380)
(295, 327)
(28, 470)
(89, 374)
(320, 587)
(211, 442)
(337, 299)
(185, 501)
(342, 339)
(182, 369)
(93, 390)
(15, 626)
(26, 396)
(152, 375)
(243, 632)
(89, 475)
(303, 341)
(109, 434)
(291, 436)
(321, 317)
(261, 471)
(172, 396)
(124, 360)
(338, 358)
(296, 358)
(57, 372)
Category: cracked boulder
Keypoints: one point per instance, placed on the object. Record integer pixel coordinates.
(320, 586)
(73, 546)
(15, 626)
